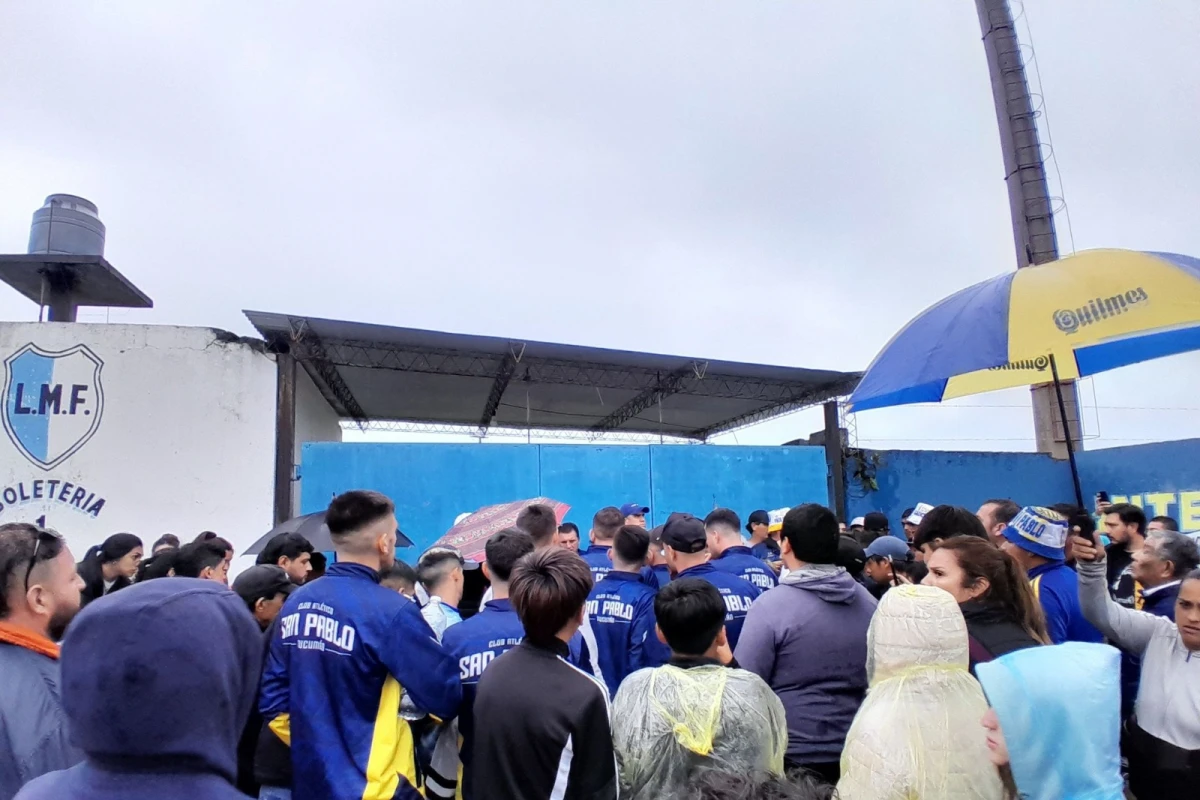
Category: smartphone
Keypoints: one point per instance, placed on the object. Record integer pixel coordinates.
(1102, 498)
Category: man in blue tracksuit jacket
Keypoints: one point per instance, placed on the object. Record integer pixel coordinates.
(621, 609)
(605, 525)
(1037, 538)
(346, 651)
(730, 555)
(476, 642)
(687, 556)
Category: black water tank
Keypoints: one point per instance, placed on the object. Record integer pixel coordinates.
(67, 225)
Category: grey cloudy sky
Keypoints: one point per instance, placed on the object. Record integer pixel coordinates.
(783, 183)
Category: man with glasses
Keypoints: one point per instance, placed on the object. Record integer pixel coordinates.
(39, 594)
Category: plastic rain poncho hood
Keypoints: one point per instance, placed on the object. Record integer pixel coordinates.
(917, 736)
(1060, 712)
(669, 722)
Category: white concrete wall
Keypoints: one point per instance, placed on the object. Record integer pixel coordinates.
(316, 421)
(178, 436)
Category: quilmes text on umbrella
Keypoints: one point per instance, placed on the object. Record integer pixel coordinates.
(1070, 320)
(1041, 364)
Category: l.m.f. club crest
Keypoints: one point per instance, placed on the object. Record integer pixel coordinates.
(53, 401)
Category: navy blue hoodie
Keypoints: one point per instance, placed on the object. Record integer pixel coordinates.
(157, 683)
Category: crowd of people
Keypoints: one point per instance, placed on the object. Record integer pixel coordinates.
(1033, 652)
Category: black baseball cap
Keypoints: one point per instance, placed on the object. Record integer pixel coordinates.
(759, 517)
(685, 534)
(875, 521)
(262, 580)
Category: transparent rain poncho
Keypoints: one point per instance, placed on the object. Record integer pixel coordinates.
(917, 736)
(670, 722)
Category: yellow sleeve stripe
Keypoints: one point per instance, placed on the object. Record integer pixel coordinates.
(281, 726)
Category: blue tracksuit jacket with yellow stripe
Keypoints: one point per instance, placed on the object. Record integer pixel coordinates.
(345, 651)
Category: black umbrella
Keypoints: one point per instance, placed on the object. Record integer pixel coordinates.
(313, 528)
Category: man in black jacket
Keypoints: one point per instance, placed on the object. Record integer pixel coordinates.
(541, 725)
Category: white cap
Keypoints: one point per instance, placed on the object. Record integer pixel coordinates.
(918, 513)
(858, 522)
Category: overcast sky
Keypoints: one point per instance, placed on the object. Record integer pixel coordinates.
(784, 183)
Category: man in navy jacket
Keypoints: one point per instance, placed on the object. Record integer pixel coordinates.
(621, 609)
(724, 530)
(476, 642)
(687, 556)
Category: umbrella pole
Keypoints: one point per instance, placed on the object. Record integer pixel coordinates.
(1062, 412)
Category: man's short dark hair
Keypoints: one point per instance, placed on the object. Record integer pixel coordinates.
(352, 511)
(285, 545)
(606, 522)
(712, 784)
(433, 567)
(724, 520)
(812, 531)
(167, 539)
(539, 522)
(400, 575)
(319, 561)
(213, 538)
(548, 589)
(947, 522)
(569, 527)
(690, 613)
(20, 542)
(1180, 551)
(1129, 514)
(1005, 510)
(631, 544)
(1168, 523)
(157, 566)
(504, 549)
(194, 558)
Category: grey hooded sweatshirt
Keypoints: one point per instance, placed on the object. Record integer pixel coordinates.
(807, 638)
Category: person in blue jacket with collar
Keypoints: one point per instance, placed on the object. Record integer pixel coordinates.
(730, 555)
(477, 641)
(347, 650)
(1037, 539)
(605, 525)
(686, 544)
(621, 609)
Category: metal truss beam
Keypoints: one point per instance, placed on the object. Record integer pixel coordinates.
(308, 348)
(508, 366)
(797, 401)
(347, 353)
(403, 426)
(669, 384)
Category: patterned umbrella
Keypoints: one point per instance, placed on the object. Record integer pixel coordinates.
(471, 533)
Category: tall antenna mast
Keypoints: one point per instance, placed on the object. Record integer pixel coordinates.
(1028, 197)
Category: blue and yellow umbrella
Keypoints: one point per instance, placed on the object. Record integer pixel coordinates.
(1093, 311)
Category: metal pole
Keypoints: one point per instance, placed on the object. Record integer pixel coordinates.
(1062, 411)
(835, 459)
(285, 435)
(1028, 195)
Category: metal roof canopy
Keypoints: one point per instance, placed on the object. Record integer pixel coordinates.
(376, 372)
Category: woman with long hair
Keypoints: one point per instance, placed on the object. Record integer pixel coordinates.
(109, 566)
(993, 594)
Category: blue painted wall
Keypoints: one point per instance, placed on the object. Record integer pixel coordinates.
(431, 484)
(1162, 477)
(908, 477)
